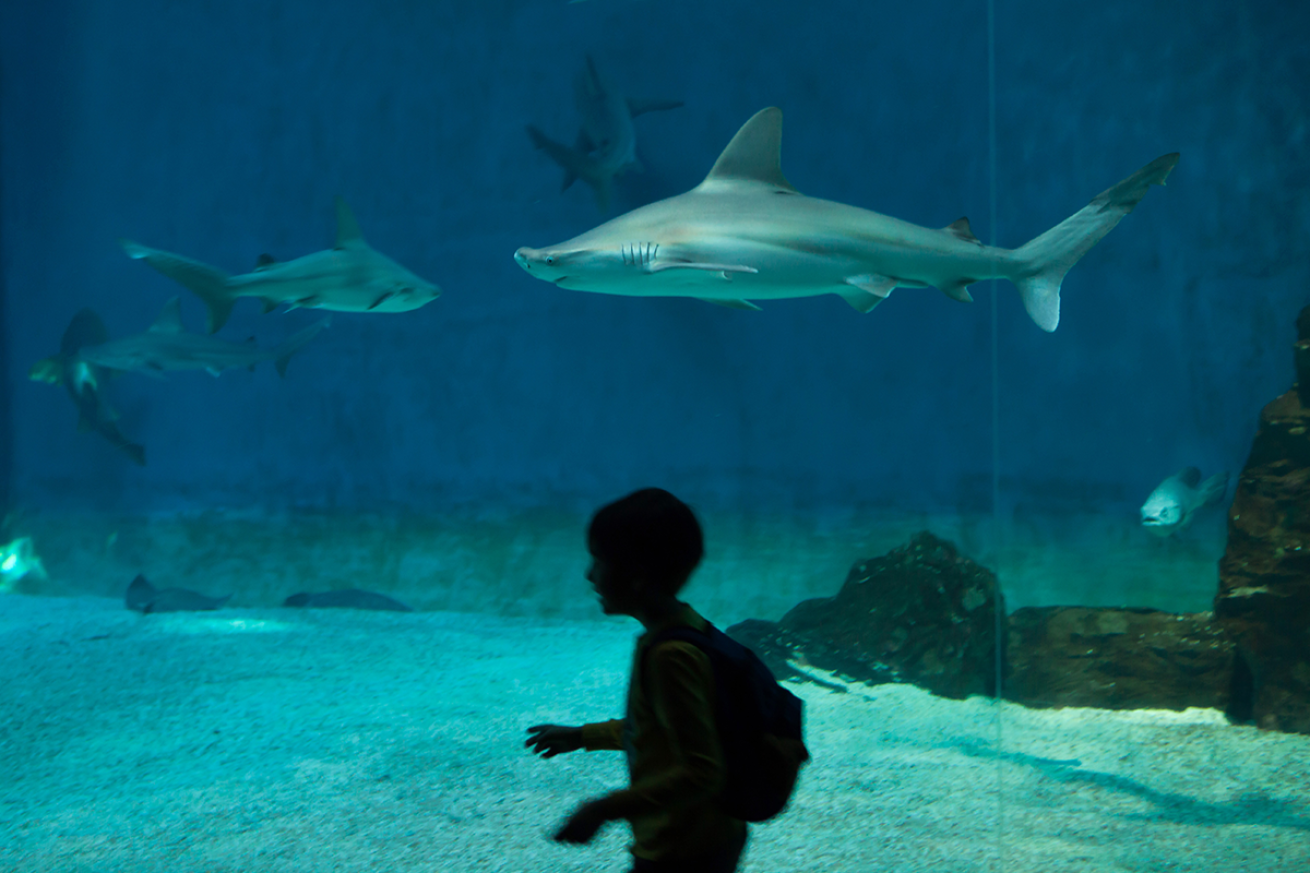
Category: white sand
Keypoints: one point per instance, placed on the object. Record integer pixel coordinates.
(272, 739)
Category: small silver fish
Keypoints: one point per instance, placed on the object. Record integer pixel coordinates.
(1176, 500)
(144, 597)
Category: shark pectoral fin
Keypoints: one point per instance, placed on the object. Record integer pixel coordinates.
(269, 304)
(265, 260)
(958, 290)
(381, 299)
(731, 304)
(692, 265)
(640, 107)
(304, 302)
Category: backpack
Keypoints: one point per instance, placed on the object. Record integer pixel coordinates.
(759, 725)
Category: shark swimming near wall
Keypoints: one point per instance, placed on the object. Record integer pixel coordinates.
(351, 276)
(166, 347)
(606, 145)
(85, 382)
(746, 234)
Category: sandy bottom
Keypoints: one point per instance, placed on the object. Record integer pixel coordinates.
(270, 739)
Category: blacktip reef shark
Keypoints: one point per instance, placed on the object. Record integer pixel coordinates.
(746, 234)
(165, 347)
(351, 276)
(607, 143)
(84, 382)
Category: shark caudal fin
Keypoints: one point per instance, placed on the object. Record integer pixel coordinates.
(577, 165)
(1045, 260)
(295, 343)
(206, 282)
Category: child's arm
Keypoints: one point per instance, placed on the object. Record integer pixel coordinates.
(549, 740)
(680, 685)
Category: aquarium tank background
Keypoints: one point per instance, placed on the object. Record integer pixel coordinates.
(927, 518)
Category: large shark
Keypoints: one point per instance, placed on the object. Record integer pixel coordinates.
(165, 346)
(84, 382)
(607, 143)
(351, 276)
(746, 234)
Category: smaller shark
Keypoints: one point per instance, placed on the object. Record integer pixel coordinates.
(1177, 499)
(351, 276)
(145, 598)
(165, 346)
(607, 143)
(84, 382)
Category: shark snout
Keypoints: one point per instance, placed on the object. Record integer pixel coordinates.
(543, 264)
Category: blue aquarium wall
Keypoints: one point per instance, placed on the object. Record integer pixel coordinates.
(223, 131)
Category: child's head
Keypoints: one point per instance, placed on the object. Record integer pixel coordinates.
(650, 533)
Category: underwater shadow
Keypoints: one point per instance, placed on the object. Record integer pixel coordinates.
(1250, 808)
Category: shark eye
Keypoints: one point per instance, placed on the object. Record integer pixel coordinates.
(550, 260)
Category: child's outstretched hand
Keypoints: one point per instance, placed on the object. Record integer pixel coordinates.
(549, 740)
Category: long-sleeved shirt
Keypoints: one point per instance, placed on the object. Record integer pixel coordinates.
(675, 760)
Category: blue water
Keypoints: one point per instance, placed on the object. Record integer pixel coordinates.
(449, 455)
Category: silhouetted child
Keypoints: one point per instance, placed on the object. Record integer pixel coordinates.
(644, 548)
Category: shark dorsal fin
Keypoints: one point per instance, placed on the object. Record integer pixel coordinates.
(347, 228)
(755, 153)
(86, 329)
(169, 320)
(959, 228)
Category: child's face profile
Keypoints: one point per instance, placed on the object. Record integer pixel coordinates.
(614, 587)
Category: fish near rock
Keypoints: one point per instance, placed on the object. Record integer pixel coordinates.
(145, 598)
(1176, 500)
(349, 598)
(745, 234)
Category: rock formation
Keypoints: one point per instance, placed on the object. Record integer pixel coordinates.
(1117, 659)
(1264, 577)
(922, 613)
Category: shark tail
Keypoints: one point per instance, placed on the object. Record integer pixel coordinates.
(577, 165)
(295, 343)
(1044, 261)
(1212, 490)
(208, 283)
